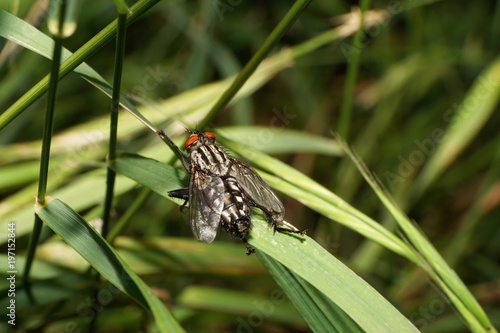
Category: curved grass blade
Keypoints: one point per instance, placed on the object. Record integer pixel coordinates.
(158, 176)
(303, 256)
(432, 262)
(22, 33)
(299, 186)
(466, 122)
(91, 246)
(277, 140)
(309, 261)
(321, 314)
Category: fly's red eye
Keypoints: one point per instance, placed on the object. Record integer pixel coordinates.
(192, 139)
(209, 135)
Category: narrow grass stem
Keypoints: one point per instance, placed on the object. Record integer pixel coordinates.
(115, 103)
(82, 54)
(251, 66)
(126, 217)
(113, 129)
(45, 154)
(352, 73)
(49, 122)
(30, 255)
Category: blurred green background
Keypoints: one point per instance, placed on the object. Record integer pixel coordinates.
(416, 70)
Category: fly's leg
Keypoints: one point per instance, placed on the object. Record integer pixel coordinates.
(291, 228)
(177, 151)
(250, 249)
(182, 193)
(277, 227)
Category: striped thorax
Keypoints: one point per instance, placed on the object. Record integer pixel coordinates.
(206, 156)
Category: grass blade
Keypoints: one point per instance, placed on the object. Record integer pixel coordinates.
(339, 284)
(257, 58)
(308, 260)
(93, 248)
(159, 177)
(449, 282)
(276, 140)
(16, 30)
(471, 115)
(321, 314)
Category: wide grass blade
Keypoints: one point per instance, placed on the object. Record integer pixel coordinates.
(312, 194)
(158, 176)
(308, 260)
(302, 255)
(91, 246)
(321, 314)
(279, 140)
(163, 178)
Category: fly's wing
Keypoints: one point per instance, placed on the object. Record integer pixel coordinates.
(206, 202)
(257, 189)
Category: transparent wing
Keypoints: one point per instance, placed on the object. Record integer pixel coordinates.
(257, 189)
(206, 201)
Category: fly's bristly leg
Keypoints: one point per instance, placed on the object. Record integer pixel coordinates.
(177, 151)
(300, 232)
(182, 193)
(276, 226)
(250, 249)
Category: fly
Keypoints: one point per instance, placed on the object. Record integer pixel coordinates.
(222, 190)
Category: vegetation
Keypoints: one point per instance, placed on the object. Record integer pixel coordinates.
(375, 125)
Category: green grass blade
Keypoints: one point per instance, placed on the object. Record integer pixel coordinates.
(321, 314)
(163, 178)
(113, 128)
(121, 6)
(22, 33)
(47, 137)
(278, 140)
(257, 58)
(433, 263)
(307, 259)
(310, 193)
(91, 246)
(466, 122)
(244, 304)
(159, 177)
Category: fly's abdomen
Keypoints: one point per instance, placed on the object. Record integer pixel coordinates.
(235, 217)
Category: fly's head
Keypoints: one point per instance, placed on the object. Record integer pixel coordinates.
(198, 139)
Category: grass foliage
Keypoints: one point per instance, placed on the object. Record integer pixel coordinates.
(386, 149)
